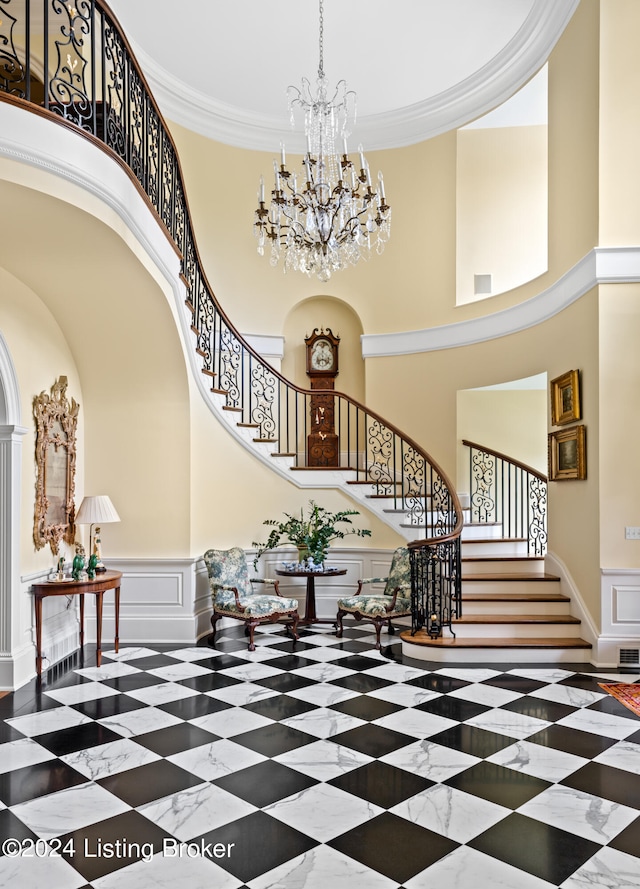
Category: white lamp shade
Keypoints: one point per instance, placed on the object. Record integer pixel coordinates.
(97, 511)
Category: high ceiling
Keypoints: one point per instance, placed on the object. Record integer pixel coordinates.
(419, 67)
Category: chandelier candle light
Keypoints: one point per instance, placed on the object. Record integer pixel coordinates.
(330, 216)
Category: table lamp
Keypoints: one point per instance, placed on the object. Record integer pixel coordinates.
(96, 511)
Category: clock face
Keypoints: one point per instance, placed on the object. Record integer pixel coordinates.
(322, 355)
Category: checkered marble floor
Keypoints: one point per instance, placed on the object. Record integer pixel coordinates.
(323, 763)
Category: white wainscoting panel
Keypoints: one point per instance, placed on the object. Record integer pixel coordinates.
(620, 597)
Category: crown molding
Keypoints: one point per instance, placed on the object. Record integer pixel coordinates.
(602, 265)
(491, 85)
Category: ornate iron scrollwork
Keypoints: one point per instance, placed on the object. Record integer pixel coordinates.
(13, 72)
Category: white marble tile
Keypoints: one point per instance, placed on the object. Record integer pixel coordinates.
(600, 724)
(323, 812)
(488, 695)
(262, 653)
(615, 677)
(395, 672)
(129, 654)
(506, 722)
(451, 813)
(581, 813)
(541, 674)
(169, 871)
(416, 723)
(404, 695)
(233, 721)
(319, 868)
(323, 759)
(108, 670)
(623, 755)
(325, 672)
(76, 694)
(196, 810)
(177, 672)
(321, 639)
(109, 759)
(608, 869)
(138, 722)
(541, 762)
(468, 674)
(250, 672)
(34, 873)
(568, 694)
(323, 694)
(323, 722)
(465, 868)
(45, 721)
(18, 754)
(69, 809)
(323, 654)
(241, 694)
(215, 760)
(161, 694)
(430, 760)
(193, 653)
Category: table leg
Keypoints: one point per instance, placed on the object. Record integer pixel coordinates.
(310, 602)
(38, 608)
(99, 627)
(81, 620)
(117, 639)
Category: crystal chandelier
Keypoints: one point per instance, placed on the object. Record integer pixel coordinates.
(329, 216)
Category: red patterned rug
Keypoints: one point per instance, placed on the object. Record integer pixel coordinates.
(628, 693)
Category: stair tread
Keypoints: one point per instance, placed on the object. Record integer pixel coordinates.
(504, 558)
(423, 638)
(517, 619)
(528, 576)
(473, 540)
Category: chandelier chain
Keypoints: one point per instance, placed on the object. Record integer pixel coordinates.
(321, 41)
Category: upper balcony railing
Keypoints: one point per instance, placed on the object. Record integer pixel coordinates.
(72, 63)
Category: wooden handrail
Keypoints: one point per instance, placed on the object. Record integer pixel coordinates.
(514, 462)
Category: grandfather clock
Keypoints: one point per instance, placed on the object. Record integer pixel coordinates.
(322, 369)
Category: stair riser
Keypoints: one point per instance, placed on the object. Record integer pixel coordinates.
(514, 587)
(495, 548)
(480, 532)
(501, 566)
(500, 656)
(524, 607)
(516, 631)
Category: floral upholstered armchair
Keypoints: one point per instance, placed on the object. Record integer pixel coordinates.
(233, 596)
(381, 608)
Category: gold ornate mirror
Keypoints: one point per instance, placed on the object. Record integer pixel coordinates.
(56, 422)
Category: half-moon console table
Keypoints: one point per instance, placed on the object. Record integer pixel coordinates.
(107, 580)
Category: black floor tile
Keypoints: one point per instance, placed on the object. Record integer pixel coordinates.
(153, 662)
(37, 780)
(77, 737)
(11, 828)
(546, 852)
(114, 705)
(149, 782)
(608, 783)
(381, 784)
(280, 706)
(538, 708)
(7, 733)
(397, 848)
(572, 740)
(176, 738)
(581, 680)
(634, 738)
(272, 740)
(22, 705)
(209, 682)
(615, 707)
(361, 682)
(366, 707)
(373, 740)
(265, 783)
(520, 684)
(628, 840)
(357, 662)
(453, 708)
(505, 787)
(222, 662)
(132, 682)
(291, 662)
(284, 682)
(112, 844)
(191, 708)
(442, 684)
(472, 740)
(261, 843)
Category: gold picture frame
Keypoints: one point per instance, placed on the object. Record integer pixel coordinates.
(56, 423)
(565, 398)
(567, 454)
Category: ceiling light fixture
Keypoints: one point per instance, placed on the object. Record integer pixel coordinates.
(330, 216)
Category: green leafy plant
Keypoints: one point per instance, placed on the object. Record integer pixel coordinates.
(312, 535)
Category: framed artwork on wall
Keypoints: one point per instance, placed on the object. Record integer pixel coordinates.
(567, 454)
(565, 398)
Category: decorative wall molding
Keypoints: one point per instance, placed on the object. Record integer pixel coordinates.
(620, 604)
(495, 82)
(602, 265)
